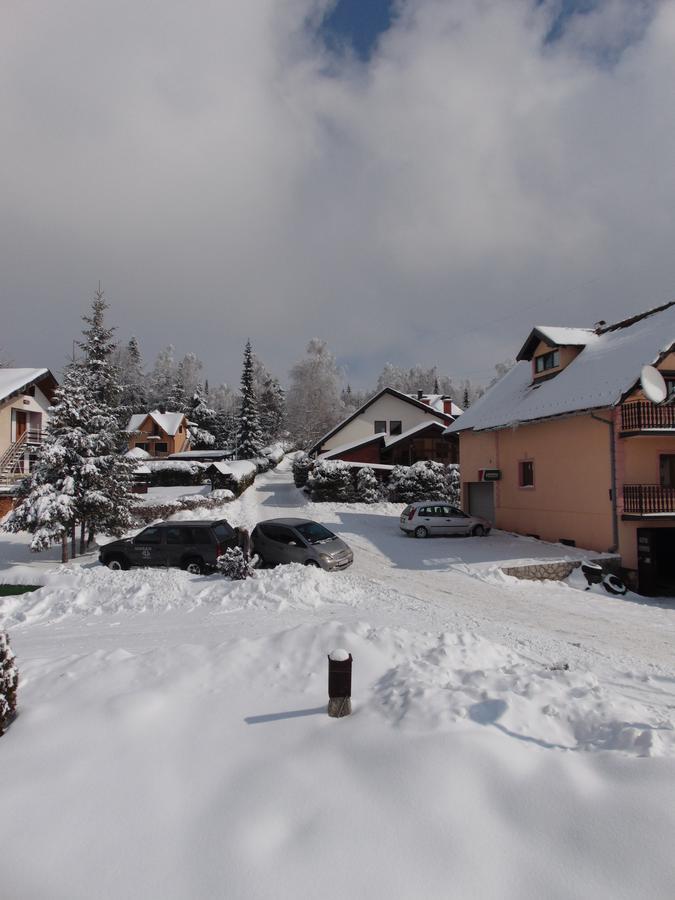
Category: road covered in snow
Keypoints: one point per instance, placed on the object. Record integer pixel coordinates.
(509, 739)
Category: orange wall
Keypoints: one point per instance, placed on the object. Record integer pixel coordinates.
(175, 443)
(570, 498)
(565, 357)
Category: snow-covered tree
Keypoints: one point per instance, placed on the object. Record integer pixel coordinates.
(302, 466)
(466, 402)
(129, 363)
(162, 378)
(98, 346)
(249, 434)
(9, 683)
(79, 476)
(272, 405)
(313, 402)
(424, 480)
(233, 564)
(203, 421)
(331, 480)
(368, 488)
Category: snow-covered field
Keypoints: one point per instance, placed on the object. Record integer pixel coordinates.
(509, 739)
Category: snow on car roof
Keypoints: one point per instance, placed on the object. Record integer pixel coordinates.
(12, 380)
(606, 368)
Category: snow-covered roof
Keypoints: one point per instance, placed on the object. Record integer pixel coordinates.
(138, 453)
(13, 380)
(395, 438)
(169, 422)
(607, 367)
(437, 402)
(236, 469)
(202, 454)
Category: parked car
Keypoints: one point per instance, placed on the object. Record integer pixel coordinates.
(426, 518)
(301, 541)
(193, 546)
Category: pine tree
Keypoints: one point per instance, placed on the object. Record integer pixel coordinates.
(9, 682)
(249, 434)
(272, 404)
(368, 488)
(133, 391)
(466, 403)
(98, 347)
(202, 421)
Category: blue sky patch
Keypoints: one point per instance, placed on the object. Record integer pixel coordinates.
(356, 25)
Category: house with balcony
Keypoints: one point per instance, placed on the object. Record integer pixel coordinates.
(25, 398)
(393, 428)
(566, 446)
(159, 433)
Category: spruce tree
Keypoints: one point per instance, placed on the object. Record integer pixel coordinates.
(98, 347)
(133, 391)
(203, 422)
(272, 409)
(249, 434)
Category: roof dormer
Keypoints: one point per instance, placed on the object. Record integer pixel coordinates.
(550, 350)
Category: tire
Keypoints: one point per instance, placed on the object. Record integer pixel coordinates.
(117, 563)
(478, 531)
(421, 532)
(614, 585)
(194, 566)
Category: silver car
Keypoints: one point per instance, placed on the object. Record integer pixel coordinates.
(301, 541)
(426, 518)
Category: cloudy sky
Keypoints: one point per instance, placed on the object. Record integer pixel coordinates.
(413, 181)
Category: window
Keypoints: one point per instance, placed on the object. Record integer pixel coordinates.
(150, 536)
(395, 427)
(670, 387)
(280, 535)
(547, 361)
(142, 447)
(223, 532)
(161, 448)
(314, 533)
(178, 535)
(667, 470)
(526, 473)
(380, 426)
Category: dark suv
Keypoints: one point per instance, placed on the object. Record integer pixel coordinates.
(193, 546)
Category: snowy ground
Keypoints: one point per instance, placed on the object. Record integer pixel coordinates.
(509, 739)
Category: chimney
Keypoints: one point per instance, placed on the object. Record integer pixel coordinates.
(420, 394)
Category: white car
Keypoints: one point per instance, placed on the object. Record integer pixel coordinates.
(426, 518)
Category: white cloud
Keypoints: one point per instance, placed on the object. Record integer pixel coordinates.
(428, 207)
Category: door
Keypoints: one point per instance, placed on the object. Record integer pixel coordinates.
(482, 500)
(457, 521)
(20, 423)
(149, 548)
(656, 561)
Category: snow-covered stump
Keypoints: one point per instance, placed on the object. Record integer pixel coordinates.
(339, 683)
(9, 680)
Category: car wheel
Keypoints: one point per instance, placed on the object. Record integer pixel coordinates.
(194, 566)
(478, 531)
(421, 532)
(117, 564)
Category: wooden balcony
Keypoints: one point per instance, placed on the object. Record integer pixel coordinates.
(648, 500)
(641, 417)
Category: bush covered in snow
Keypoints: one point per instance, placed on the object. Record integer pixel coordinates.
(165, 507)
(368, 488)
(9, 681)
(175, 472)
(424, 480)
(332, 480)
(233, 564)
(302, 466)
(274, 453)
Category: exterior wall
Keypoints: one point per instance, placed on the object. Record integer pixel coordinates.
(148, 434)
(36, 406)
(368, 454)
(565, 357)
(570, 498)
(638, 462)
(385, 408)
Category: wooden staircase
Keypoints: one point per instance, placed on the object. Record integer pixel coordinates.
(11, 461)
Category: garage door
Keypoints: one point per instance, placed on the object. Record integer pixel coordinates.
(482, 499)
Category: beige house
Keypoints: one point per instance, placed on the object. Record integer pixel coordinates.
(159, 433)
(393, 428)
(566, 447)
(25, 398)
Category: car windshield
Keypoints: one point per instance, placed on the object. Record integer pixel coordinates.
(314, 533)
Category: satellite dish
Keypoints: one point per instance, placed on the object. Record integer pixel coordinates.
(653, 385)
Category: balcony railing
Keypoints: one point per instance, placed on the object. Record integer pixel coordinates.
(642, 416)
(648, 499)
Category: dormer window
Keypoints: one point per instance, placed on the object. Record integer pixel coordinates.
(546, 361)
